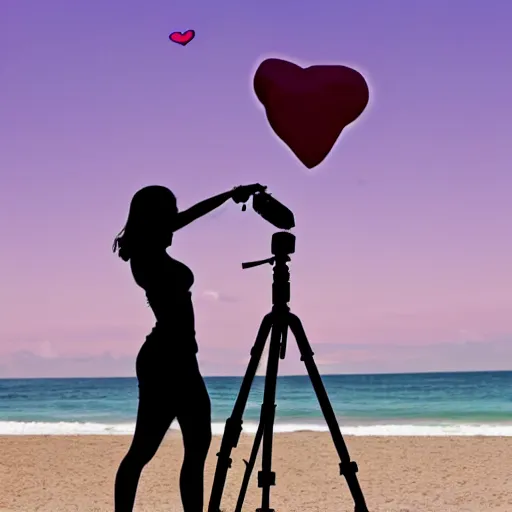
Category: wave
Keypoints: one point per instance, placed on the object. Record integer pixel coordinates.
(390, 430)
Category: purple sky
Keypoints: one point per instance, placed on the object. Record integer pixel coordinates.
(404, 246)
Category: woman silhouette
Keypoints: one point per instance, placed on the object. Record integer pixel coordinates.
(170, 383)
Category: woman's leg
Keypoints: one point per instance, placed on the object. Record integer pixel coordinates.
(153, 420)
(194, 417)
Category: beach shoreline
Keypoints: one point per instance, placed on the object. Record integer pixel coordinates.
(397, 474)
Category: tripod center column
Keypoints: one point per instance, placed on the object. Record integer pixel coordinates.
(281, 284)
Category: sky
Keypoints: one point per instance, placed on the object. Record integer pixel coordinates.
(404, 248)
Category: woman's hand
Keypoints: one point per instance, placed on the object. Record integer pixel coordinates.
(238, 194)
(243, 193)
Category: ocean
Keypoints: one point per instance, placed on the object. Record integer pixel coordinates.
(428, 404)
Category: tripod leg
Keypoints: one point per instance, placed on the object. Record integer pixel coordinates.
(259, 434)
(348, 468)
(233, 426)
(266, 477)
(250, 465)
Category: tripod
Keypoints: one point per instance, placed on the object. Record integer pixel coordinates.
(276, 323)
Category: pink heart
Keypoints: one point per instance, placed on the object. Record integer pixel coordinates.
(182, 38)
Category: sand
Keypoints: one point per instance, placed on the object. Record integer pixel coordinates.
(397, 474)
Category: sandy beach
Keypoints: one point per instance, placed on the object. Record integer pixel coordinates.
(397, 474)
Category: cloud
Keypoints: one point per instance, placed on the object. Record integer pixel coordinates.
(128, 330)
(211, 294)
(460, 356)
(47, 351)
(215, 296)
(329, 357)
(29, 364)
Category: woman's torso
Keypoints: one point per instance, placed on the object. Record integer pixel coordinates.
(167, 284)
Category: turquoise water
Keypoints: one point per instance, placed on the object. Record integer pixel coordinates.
(478, 403)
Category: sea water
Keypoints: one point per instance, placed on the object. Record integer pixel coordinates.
(428, 404)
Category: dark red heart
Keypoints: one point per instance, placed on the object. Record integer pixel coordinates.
(309, 107)
(182, 38)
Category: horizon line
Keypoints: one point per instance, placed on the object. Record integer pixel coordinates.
(279, 376)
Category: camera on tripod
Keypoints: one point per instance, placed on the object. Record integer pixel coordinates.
(280, 216)
(273, 211)
(283, 242)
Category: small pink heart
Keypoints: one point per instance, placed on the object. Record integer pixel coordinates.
(182, 38)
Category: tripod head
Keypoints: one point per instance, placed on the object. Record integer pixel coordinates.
(283, 244)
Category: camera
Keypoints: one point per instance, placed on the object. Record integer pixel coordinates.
(283, 243)
(273, 211)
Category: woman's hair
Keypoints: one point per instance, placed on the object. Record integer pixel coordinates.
(149, 221)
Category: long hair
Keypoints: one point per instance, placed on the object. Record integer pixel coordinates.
(149, 221)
